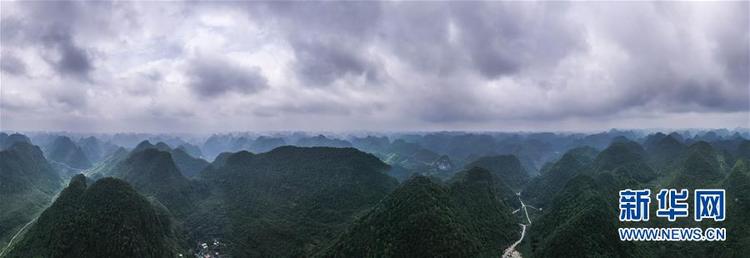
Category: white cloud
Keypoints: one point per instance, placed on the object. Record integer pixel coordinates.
(395, 66)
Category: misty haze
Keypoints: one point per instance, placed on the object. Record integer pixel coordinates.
(369, 129)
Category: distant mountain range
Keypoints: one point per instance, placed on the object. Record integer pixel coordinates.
(398, 195)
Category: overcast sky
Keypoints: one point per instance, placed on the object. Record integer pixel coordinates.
(335, 66)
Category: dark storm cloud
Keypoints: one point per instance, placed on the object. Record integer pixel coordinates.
(320, 63)
(450, 104)
(53, 25)
(527, 42)
(328, 39)
(10, 29)
(428, 63)
(212, 77)
(72, 60)
(733, 48)
(502, 38)
(353, 19)
(11, 64)
(420, 35)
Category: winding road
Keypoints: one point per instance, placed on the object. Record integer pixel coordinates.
(511, 251)
(23, 229)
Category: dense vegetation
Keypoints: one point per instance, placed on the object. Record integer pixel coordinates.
(27, 185)
(581, 221)
(189, 166)
(507, 167)
(154, 173)
(458, 196)
(425, 219)
(553, 178)
(107, 219)
(65, 151)
(289, 201)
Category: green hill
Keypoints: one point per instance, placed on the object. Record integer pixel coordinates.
(191, 150)
(103, 167)
(625, 158)
(505, 167)
(665, 151)
(737, 186)
(580, 222)
(291, 200)
(65, 151)
(153, 173)
(27, 185)
(699, 168)
(95, 150)
(107, 219)
(425, 219)
(543, 188)
(8, 140)
(189, 166)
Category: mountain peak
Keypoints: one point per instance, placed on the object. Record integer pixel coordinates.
(65, 151)
(111, 220)
(424, 218)
(153, 172)
(9, 140)
(626, 158)
(505, 167)
(145, 144)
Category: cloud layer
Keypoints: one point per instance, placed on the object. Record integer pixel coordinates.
(203, 67)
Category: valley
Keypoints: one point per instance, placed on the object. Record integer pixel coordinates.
(511, 251)
(374, 129)
(324, 201)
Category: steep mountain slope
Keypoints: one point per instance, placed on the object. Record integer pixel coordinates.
(9, 140)
(699, 168)
(580, 222)
(65, 151)
(289, 201)
(27, 185)
(191, 150)
(737, 186)
(625, 158)
(188, 166)
(108, 219)
(372, 144)
(505, 167)
(665, 151)
(425, 219)
(400, 173)
(95, 150)
(221, 159)
(408, 155)
(743, 149)
(103, 167)
(543, 188)
(148, 145)
(153, 173)
(265, 144)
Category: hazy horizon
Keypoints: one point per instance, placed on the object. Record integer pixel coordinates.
(745, 131)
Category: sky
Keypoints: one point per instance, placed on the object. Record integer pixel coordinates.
(373, 66)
